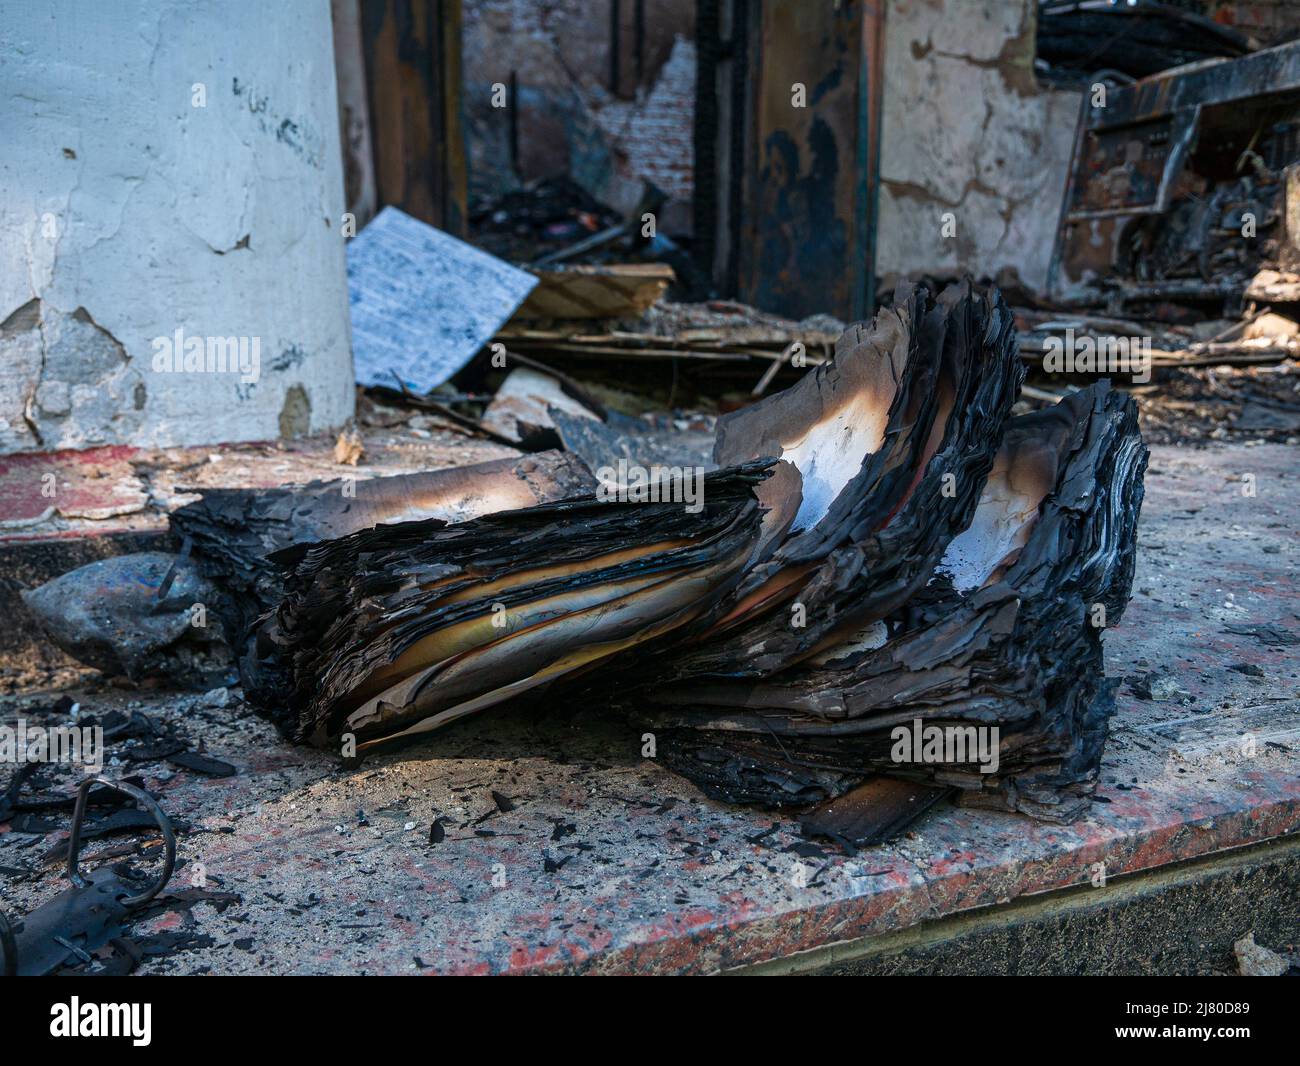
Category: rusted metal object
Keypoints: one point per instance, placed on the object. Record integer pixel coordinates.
(1165, 174)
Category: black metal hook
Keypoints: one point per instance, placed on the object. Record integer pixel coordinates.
(147, 802)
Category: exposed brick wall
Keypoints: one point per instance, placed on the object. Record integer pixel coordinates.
(652, 137)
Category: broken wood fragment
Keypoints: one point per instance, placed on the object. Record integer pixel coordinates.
(622, 290)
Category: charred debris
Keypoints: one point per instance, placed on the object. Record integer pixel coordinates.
(886, 542)
(1177, 253)
(883, 543)
(843, 570)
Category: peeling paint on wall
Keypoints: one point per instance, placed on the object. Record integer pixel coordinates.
(167, 167)
(66, 382)
(295, 415)
(968, 132)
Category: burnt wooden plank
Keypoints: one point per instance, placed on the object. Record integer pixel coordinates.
(412, 50)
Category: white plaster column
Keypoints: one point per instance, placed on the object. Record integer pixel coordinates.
(169, 166)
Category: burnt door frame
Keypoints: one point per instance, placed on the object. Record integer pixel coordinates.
(413, 81)
(787, 198)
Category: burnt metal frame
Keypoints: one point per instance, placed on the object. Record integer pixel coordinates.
(1182, 95)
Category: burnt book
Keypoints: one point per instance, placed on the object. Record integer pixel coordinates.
(990, 679)
(882, 545)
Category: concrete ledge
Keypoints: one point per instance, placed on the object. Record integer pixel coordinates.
(1181, 919)
(606, 862)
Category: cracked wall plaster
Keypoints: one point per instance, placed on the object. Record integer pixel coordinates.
(127, 213)
(67, 382)
(966, 129)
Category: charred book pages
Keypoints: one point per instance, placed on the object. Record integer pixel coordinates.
(990, 679)
(883, 551)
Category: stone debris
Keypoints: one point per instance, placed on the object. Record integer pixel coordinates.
(1255, 960)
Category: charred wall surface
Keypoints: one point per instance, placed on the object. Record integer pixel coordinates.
(603, 93)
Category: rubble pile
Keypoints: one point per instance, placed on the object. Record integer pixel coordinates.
(1077, 39)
